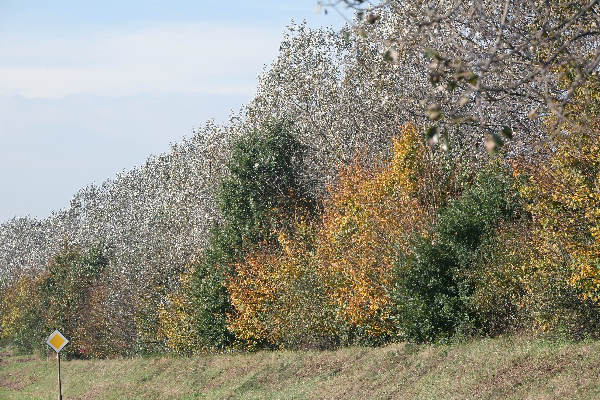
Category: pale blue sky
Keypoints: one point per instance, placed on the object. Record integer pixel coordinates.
(90, 88)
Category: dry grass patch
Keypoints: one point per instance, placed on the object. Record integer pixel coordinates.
(502, 368)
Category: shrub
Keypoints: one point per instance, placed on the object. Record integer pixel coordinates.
(209, 295)
(435, 284)
(20, 315)
(499, 275)
(175, 323)
(280, 297)
(66, 298)
(564, 199)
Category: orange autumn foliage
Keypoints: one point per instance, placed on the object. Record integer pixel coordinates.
(563, 193)
(371, 216)
(329, 281)
(280, 297)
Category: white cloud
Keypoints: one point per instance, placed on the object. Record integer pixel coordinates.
(193, 58)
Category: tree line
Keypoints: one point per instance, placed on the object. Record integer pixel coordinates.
(341, 205)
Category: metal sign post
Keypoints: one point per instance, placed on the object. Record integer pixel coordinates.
(57, 341)
(59, 386)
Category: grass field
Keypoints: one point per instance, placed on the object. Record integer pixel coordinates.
(503, 368)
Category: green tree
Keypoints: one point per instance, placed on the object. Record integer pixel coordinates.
(435, 286)
(262, 194)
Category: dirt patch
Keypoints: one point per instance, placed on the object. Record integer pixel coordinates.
(11, 384)
(24, 360)
(4, 358)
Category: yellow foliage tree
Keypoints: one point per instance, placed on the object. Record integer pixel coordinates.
(370, 217)
(280, 298)
(20, 318)
(564, 200)
(175, 319)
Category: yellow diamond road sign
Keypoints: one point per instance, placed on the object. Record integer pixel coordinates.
(57, 341)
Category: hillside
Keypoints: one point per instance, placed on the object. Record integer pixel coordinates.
(503, 368)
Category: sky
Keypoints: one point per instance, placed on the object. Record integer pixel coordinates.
(90, 88)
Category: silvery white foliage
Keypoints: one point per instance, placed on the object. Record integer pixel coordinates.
(335, 86)
(167, 203)
(504, 60)
(343, 97)
(23, 246)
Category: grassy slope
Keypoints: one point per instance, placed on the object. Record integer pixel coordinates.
(513, 368)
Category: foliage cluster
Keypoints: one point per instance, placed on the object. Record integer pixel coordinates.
(68, 296)
(263, 193)
(280, 297)
(403, 249)
(369, 217)
(263, 233)
(328, 282)
(20, 320)
(563, 193)
(436, 283)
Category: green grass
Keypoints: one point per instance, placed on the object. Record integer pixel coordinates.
(503, 368)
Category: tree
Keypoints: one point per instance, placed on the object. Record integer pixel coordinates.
(264, 187)
(434, 288)
(563, 192)
(66, 296)
(262, 193)
(370, 214)
(486, 60)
